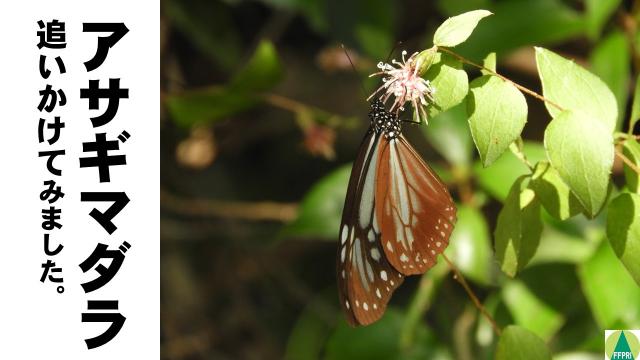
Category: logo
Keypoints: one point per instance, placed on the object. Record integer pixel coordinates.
(622, 344)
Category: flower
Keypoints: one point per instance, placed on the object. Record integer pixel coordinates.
(403, 81)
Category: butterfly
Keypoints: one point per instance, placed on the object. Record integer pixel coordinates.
(397, 218)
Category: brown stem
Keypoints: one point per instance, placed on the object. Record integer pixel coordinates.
(256, 211)
(458, 276)
(520, 87)
(629, 163)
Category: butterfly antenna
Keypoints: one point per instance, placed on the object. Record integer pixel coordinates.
(364, 92)
(393, 49)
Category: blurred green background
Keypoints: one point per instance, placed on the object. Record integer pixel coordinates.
(261, 118)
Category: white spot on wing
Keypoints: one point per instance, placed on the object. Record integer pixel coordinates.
(344, 234)
(375, 254)
(383, 275)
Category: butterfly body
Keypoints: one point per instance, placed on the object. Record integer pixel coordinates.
(397, 218)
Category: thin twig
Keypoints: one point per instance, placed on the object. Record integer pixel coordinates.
(256, 211)
(520, 87)
(629, 163)
(472, 295)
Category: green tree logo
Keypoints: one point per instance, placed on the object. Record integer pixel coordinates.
(622, 345)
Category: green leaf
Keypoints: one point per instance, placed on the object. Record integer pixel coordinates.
(469, 246)
(635, 107)
(262, 72)
(598, 11)
(581, 149)
(450, 81)
(310, 333)
(610, 61)
(554, 194)
(517, 343)
(364, 24)
(207, 105)
(611, 292)
(518, 228)
(529, 311)
(576, 356)
(320, 211)
(513, 27)
(623, 231)
(489, 62)
(313, 10)
(449, 134)
(631, 149)
(378, 341)
(497, 114)
(455, 7)
(209, 26)
(574, 88)
(455, 30)
(560, 247)
(498, 178)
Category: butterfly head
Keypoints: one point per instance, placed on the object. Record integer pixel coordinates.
(384, 121)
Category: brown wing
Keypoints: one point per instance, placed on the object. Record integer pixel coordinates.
(415, 210)
(366, 280)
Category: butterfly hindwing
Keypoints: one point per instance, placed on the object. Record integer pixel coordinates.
(366, 279)
(414, 208)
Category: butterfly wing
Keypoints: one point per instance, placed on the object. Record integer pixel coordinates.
(366, 279)
(414, 207)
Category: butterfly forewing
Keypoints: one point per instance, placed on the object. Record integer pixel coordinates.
(366, 279)
(415, 211)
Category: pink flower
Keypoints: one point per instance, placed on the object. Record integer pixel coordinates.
(402, 81)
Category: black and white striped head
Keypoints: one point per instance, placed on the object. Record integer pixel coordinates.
(384, 121)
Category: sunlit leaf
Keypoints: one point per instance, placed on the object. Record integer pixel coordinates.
(517, 343)
(470, 245)
(554, 194)
(574, 88)
(450, 81)
(581, 149)
(489, 62)
(558, 247)
(610, 61)
(320, 211)
(497, 114)
(498, 178)
(631, 150)
(529, 311)
(612, 294)
(623, 231)
(518, 228)
(457, 29)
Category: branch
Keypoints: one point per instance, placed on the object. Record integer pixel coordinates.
(256, 211)
(629, 163)
(520, 87)
(458, 276)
